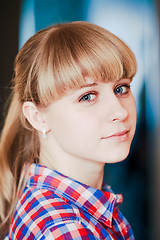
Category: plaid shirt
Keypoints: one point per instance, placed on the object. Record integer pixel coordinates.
(53, 206)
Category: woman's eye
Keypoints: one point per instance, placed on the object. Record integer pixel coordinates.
(88, 97)
(123, 89)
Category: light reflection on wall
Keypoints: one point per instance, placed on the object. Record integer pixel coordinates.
(27, 21)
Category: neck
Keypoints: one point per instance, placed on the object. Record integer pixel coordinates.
(82, 170)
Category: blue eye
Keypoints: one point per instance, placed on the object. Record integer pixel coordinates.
(88, 97)
(123, 89)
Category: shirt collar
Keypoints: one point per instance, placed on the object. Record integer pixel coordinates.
(100, 204)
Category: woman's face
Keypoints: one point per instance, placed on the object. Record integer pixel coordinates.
(95, 123)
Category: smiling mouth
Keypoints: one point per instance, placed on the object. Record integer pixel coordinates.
(119, 136)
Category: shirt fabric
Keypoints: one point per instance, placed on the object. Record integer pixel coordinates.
(53, 206)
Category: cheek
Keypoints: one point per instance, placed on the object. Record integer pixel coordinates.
(71, 124)
(74, 132)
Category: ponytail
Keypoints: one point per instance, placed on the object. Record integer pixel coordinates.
(16, 148)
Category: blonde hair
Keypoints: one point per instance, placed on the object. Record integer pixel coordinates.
(50, 63)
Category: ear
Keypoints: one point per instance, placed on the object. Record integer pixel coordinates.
(34, 116)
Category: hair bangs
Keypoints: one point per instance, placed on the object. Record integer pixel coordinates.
(72, 53)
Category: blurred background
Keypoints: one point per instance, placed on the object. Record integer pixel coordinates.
(136, 22)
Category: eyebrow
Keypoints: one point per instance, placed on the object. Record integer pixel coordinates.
(95, 84)
(89, 85)
(121, 79)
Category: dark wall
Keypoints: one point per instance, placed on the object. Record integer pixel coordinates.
(9, 22)
(156, 173)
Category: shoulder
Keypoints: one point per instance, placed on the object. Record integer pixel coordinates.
(42, 214)
(39, 210)
(45, 204)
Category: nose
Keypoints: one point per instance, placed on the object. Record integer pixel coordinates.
(117, 111)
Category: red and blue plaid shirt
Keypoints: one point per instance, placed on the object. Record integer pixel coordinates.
(53, 206)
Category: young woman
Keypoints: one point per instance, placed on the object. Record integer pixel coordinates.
(72, 111)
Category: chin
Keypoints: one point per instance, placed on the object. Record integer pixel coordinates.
(116, 160)
(118, 156)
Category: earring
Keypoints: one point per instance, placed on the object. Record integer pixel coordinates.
(44, 133)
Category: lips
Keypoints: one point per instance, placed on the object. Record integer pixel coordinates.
(119, 136)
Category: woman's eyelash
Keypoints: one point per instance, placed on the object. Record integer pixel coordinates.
(122, 89)
(88, 97)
